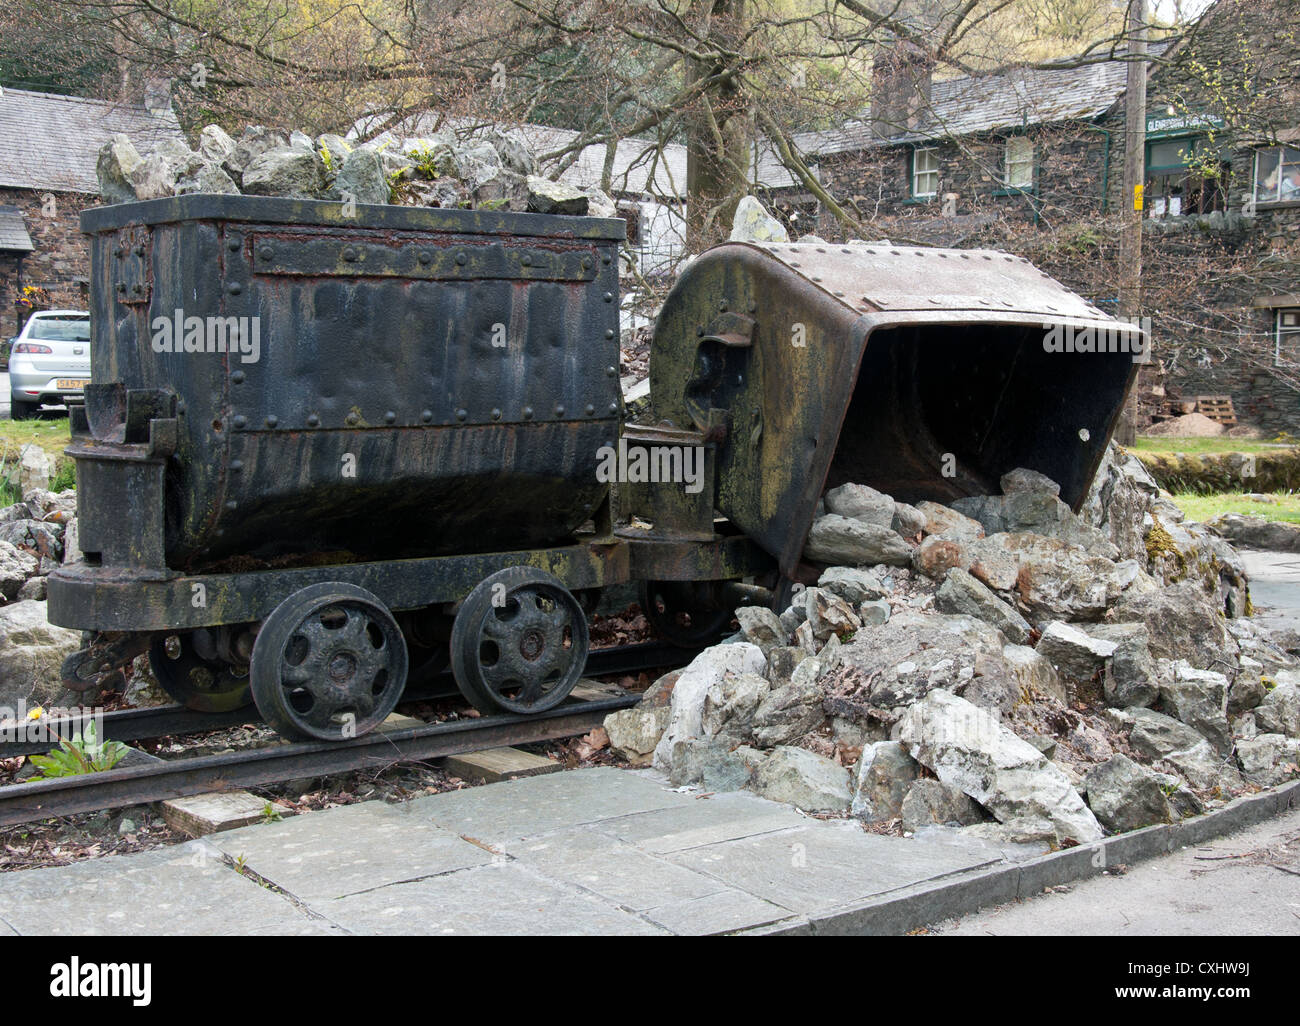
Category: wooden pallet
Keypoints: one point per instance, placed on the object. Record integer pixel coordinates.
(1218, 408)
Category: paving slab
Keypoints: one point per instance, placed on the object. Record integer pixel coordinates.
(539, 805)
(707, 820)
(349, 849)
(827, 864)
(726, 911)
(1274, 581)
(502, 898)
(618, 872)
(172, 891)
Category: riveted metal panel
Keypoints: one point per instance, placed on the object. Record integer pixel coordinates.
(369, 406)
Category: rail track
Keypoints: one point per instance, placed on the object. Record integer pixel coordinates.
(150, 779)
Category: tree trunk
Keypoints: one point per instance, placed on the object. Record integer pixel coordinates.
(719, 137)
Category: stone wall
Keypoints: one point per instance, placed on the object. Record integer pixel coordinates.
(61, 261)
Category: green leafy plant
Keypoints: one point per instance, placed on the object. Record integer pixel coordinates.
(82, 753)
(270, 814)
(425, 159)
(8, 483)
(65, 476)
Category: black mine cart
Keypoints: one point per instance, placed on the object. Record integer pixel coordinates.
(321, 456)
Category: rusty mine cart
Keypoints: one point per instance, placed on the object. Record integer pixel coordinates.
(321, 456)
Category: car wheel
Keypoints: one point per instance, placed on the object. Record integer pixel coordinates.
(20, 410)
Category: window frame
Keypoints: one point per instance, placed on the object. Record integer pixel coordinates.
(1167, 182)
(1290, 332)
(933, 152)
(1281, 150)
(1029, 161)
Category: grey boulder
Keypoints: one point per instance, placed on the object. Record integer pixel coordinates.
(1126, 796)
(841, 541)
(805, 780)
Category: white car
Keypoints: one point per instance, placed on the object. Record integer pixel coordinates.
(49, 363)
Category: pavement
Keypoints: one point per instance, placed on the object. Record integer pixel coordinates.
(1274, 586)
(1245, 884)
(591, 851)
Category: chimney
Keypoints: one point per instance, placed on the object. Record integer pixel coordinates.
(901, 76)
(158, 95)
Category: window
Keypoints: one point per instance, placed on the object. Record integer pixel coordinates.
(1176, 177)
(631, 213)
(925, 173)
(1019, 170)
(1277, 175)
(1287, 344)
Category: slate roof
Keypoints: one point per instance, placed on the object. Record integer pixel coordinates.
(13, 231)
(52, 142)
(973, 105)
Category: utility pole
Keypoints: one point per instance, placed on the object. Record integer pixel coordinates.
(1130, 240)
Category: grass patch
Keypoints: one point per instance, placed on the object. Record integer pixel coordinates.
(1196, 446)
(50, 432)
(1203, 507)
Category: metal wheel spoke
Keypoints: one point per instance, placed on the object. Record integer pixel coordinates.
(299, 675)
(356, 632)
(510, 666)
(496, 628)
(364, 701)
(321, 715)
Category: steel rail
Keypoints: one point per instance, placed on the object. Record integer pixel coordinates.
(158, 779)
(167, 720)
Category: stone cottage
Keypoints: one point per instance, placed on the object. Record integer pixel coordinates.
(48, 148)
(1031, 161)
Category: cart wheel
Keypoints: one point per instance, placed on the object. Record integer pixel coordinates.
(329, 663)
(204, 685)
(680, 614)
(519, 643)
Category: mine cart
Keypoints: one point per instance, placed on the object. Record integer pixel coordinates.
(323, 455)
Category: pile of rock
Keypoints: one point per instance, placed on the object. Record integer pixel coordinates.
(1000, 664)
(492, 170)
(37, 535)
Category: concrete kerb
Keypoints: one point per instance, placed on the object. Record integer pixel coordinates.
(915, 907)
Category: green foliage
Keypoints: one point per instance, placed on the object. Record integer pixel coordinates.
(8, 481)
(82, 753)
(425, 160)
(270, 814)
(328, 161)
(65, 476)
(1081, 238)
